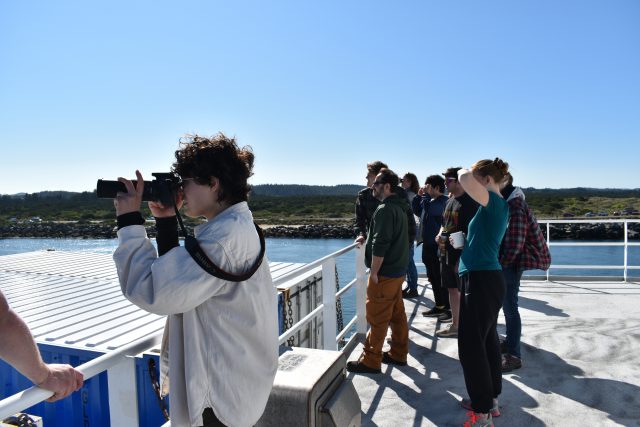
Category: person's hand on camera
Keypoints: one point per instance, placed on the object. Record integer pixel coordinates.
(131, 200)
(62, 380)
(158, 210)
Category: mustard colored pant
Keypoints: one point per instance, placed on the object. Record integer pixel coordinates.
(385, 308)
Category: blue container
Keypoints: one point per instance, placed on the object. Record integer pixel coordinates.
(281, 313)
(89, 406)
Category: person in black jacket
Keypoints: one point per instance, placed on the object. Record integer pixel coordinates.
(458, 212)
(367, 203)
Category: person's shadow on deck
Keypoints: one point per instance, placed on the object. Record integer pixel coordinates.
(433, 394)
(550, 374)
(540, 306)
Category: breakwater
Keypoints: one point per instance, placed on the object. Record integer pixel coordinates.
(108, 231)
(592, 231)
(571, 231)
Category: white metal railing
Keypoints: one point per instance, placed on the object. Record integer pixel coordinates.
(327, 310)
(625, 243)
(120, 365)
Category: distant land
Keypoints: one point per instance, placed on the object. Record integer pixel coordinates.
(286, 204)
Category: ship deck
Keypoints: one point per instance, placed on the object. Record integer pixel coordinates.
(581, 345)
(73, 299)
(581, 363)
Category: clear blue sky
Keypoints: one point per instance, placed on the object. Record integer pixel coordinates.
(97, 89)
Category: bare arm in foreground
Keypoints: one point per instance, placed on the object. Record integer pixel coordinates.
(20, 351)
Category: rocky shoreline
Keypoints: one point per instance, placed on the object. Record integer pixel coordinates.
(570, 231)
(72, 230)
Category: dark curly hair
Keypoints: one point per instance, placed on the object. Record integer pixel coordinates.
(218, 156)
(436, 181)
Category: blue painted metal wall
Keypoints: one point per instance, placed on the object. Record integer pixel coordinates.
(281, 312)
(149, 412)
(90, 405)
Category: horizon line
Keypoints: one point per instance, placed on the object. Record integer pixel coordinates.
(336, 185)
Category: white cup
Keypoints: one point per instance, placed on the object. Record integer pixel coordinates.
(457, 239)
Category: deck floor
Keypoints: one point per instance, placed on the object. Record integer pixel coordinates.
(581, 357)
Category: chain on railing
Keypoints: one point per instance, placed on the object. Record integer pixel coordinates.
(287, 314)
(313, 300)
(155, 384)
(340, 321)
(291, 339)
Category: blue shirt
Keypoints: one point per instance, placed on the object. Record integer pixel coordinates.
(432, 216)
(486, 231)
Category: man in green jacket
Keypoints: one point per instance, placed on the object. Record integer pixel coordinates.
(387, 255)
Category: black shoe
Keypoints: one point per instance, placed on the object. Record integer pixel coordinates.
(410, 293)
(390, 360)
(361, 368)
(445, 317)
(510, 363)
(434, 312)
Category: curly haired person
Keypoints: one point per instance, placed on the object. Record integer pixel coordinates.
(220, 345)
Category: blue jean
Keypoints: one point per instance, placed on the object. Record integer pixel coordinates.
(512, 278)
(412, 271)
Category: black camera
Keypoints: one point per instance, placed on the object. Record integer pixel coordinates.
(162, 189)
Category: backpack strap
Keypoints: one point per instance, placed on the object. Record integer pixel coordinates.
(200, 257)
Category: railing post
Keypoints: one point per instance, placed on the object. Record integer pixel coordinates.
(361, 291)
(329, 302)
(548, 245)
(123, 397)
(626, 247)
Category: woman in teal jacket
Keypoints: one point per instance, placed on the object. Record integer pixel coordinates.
(483, 290)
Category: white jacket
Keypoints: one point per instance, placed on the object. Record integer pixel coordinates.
(222, 336)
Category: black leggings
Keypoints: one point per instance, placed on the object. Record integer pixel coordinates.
(210, 420)
(432, 262)
(478, 346)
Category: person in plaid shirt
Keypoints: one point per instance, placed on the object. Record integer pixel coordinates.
(523, 248)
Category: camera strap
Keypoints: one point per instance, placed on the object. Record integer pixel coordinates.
(200, 257)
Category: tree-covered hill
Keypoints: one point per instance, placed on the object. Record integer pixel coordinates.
(287, 190)
(303, 204)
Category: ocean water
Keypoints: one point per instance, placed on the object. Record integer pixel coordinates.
(308, 250)
(282, 250)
